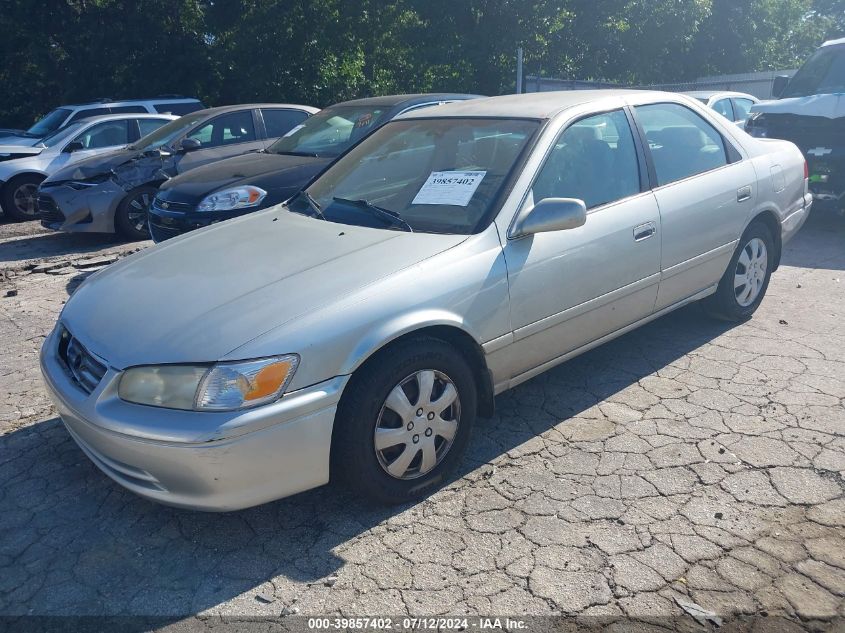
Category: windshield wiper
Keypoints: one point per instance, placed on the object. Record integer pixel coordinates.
(385, 214)
(318, 210)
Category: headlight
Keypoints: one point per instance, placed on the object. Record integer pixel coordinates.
(235, 198)
(93, 181)
(219, 387)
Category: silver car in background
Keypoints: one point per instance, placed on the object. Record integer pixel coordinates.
(460, 250)
(734, 106)
(23, 168)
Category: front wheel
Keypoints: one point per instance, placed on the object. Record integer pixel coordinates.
(744, 283)
(405, 421)
(19, 197)
(130, 219)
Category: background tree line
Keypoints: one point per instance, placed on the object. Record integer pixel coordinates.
(321, 51)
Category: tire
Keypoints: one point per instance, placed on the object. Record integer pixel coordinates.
(19, 197)
(417, 441)
(737, 299)
(130, 219)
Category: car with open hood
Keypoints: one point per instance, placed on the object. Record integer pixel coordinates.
(244, 184)
(810, 112)
(22, 168)
(357, 330)
(111, 193)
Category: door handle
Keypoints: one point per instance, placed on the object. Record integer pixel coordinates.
(743, 194)
(644, 231)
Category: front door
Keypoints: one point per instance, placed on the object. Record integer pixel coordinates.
(227, 135)
(568, 288)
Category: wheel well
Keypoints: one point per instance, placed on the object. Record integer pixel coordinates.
(468, 348)
(28, 174)
(770, 220)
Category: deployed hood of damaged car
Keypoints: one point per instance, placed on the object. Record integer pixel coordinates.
(829, 106)
(129, 168)
(11, 152)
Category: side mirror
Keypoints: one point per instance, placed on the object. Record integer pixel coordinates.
(73, 146)
(189, 145)
(552, 214)
(779, 85)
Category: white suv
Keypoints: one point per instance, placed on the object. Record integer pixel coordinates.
(65, 115)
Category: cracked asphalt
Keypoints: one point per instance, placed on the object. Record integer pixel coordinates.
(690, 460)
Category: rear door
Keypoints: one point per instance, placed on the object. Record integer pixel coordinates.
(225, 135)
(568, 288)
(705, 190)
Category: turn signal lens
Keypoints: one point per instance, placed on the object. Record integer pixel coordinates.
(238, 385)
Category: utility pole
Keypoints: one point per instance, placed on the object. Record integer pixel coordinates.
(519, 70)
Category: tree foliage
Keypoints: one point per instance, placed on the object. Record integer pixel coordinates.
(323, 51)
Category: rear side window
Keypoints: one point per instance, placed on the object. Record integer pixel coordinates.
(682, 143)
(84, 114)
(594, 160)
(723, 107)
(136, 109)
(150, 125)
(106, 134)
(227, 129)
(742, 109)
(279, 122)
(178, 109)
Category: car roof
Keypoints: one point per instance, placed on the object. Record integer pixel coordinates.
(249, 106)
(108, 101)
(409, 100)
(709, 94)
(834, 42)
(534, 105)
(125, 115)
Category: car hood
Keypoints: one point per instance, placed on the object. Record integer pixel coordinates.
(198, 297)
(271, 172)
(10, 152)
(829, 106)
(19, 141)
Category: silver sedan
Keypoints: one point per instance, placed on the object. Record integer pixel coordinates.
(359, 329)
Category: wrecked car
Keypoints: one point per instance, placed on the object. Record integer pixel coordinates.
(810, 112)
(111, 193)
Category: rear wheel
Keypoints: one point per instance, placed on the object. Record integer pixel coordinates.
(19, 197)
(744, 284)
(404, 421)
(130, 220)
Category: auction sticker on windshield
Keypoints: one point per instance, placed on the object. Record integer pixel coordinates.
(449, 187)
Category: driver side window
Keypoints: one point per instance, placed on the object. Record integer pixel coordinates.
(594, 160)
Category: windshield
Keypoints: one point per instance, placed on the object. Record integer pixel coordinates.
(60, 135)
(49, 123)
(432, 175)
(823, 73)
(167, 134)
(329, 132)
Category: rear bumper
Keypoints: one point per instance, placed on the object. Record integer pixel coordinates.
(250, 458)
(792, 223)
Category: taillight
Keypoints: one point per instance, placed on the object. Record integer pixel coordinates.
(806, 170)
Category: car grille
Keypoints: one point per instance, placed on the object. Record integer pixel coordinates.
(48, 210)
(81, 365)
(166, 205)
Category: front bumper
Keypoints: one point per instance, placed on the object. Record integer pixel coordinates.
(179, 219)
(89, 210)
(198, 460)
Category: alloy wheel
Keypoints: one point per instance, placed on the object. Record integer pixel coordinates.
(137, 211)
(25, 199)
(750, 273)
(417, 424)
